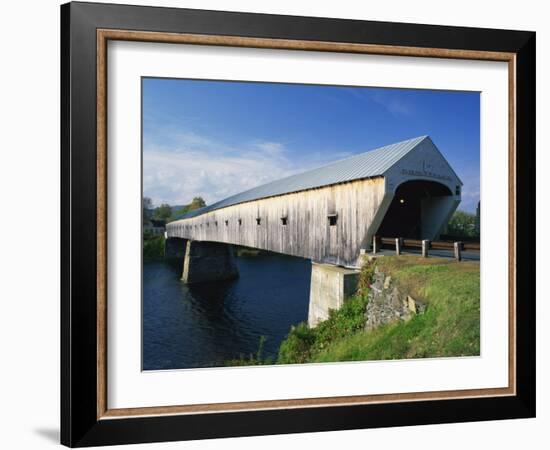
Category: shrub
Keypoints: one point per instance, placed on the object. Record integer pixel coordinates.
(365, 278)
(302, 343)
(153, 246)
(296, 348)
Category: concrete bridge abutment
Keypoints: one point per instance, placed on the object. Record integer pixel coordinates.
(330, 287)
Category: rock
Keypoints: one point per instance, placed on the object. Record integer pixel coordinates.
(411, 304)
(415, 306)
(420, 307)
(387, 304)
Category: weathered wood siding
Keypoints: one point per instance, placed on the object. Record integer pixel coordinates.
(307, 234)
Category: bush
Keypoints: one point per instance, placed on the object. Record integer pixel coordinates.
(365, 278)
(302, 343)
(153, 246)
(296, 348)
(462, 224)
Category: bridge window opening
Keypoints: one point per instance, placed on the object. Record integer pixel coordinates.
(332, 219)
(240, 222)
(284, 220)
(258, 221)
(216, 223)
(457, 190)
(227, 223)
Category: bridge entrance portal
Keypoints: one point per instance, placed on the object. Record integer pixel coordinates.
(418, 210)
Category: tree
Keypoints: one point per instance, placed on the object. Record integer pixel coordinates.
(147, 206)
(164, 211)
(196, 203)
(462, 224)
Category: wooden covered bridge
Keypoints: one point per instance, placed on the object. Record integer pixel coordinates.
(328, 215)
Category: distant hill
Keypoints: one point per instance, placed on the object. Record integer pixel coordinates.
(178, 212)
(176, 208)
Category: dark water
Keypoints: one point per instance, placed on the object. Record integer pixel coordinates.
(206, 325)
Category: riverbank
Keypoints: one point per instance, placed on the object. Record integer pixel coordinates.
(253, 320)
(449, 325)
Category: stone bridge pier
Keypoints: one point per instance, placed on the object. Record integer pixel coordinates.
(202, 261)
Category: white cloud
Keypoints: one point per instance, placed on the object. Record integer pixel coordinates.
(200, 166)
(275, 149)
(394, 105)
(469, 200)
(176, 178)
(470, 189)
(187, 165)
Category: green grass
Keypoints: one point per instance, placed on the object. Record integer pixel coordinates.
(449, 327)
(304, 343)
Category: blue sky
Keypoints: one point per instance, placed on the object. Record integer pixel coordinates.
(218, 138)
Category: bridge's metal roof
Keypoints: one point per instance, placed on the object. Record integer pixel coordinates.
(365, 165)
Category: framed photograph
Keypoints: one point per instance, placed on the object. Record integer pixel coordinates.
(276, 224)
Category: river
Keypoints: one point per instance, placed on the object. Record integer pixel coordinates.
(205, 325)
